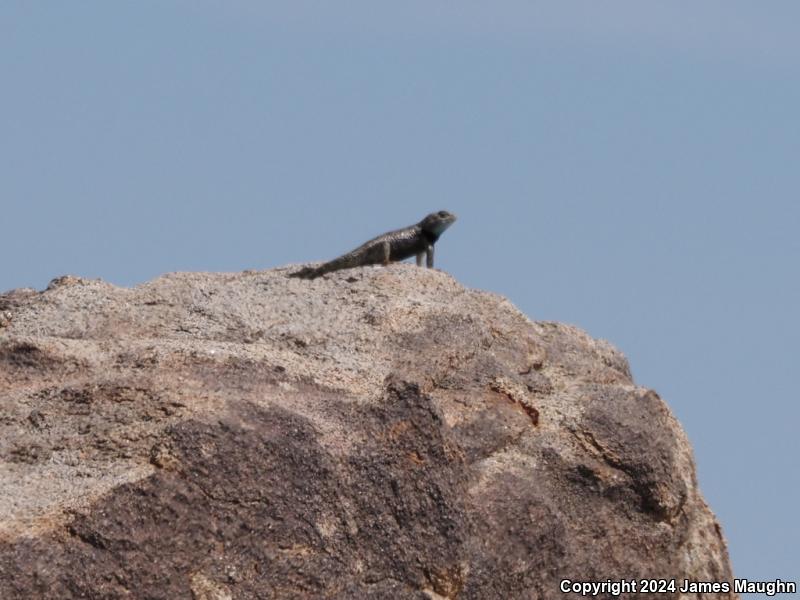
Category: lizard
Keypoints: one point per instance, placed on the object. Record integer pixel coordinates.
(415, 240)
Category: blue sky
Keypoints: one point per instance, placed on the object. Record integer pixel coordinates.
(629, 167)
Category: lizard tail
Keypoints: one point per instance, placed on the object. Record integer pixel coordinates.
(306, 273)
(343, 262)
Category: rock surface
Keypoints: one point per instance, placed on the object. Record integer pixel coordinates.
(376, 433)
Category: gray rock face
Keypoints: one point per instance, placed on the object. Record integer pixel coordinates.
(376, 433)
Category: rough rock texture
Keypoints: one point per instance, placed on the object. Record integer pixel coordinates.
(377, 433)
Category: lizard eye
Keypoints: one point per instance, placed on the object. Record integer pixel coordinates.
(442, 213)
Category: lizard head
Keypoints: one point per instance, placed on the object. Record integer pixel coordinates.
(437, 222)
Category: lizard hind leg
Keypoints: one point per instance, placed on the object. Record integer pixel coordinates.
(387, 251)
(419, 258)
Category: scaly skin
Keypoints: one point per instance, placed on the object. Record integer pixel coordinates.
(417, 240)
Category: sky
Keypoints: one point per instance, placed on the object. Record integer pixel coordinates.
(628, 167)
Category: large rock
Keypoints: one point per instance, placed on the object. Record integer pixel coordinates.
(377, 433)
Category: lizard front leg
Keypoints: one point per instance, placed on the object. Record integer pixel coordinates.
(387, 251)
(429, 256)
(419, 258)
